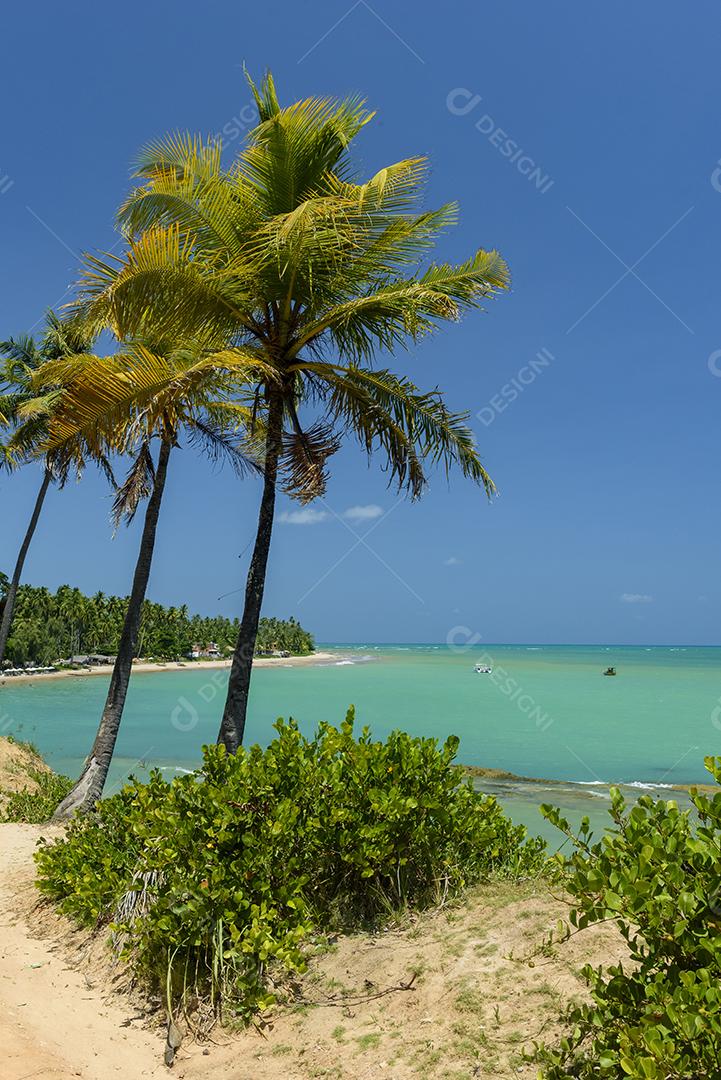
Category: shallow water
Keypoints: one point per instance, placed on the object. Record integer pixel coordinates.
(545, 712)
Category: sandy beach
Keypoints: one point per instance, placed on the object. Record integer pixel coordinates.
(65, 1009)
(146, 668)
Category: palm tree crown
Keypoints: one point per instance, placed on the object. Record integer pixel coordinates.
(303, 271)
(289, 276)
(28, 398)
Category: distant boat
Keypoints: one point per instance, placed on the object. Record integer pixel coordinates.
(610, 671)
(484, 669)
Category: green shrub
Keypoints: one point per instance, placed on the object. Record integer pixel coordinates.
(224, 874)
(658, 873)
(36, 806)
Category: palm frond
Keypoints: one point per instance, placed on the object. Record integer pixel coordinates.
(406, 309)
(265, 96)
(115, 400)
(437, 434)
(10, 405)
(180, 153)
(161, 291)
(304, 459)
(292, 149)
(282, 273)
(21, 351)
(138, 485)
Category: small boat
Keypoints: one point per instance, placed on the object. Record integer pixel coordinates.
(610, 671)
(483, 669)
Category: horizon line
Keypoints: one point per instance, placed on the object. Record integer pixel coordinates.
(537, 644)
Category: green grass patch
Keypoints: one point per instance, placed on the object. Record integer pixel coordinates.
(34, 803)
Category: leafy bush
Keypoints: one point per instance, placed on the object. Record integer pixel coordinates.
(34, 806)
(658, 873)
(35, 803)
(223, 875)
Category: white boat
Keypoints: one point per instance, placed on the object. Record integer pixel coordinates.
(483, 669)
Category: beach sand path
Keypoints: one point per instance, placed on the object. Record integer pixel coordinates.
(55, 1023)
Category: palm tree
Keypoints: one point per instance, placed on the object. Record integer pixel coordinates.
(126, 401)
(295, 265)
(25, 412)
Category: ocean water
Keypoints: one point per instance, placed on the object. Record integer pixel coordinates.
(545, 712)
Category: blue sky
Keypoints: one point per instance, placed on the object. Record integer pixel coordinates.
(606, 203)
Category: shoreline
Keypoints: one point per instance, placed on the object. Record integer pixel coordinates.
(501, 776)
(144, 667)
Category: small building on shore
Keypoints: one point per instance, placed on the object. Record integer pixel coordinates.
(205, 652)
(90, 660)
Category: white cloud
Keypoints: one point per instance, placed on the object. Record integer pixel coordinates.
(636, 598)
(362, 513)
(452, 561)
(308, 516)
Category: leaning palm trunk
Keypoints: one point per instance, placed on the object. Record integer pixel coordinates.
(90, 785)
(7, 616)
(232, 727)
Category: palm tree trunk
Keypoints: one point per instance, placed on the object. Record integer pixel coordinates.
(7, 616)
(232, 727)
(91, 782)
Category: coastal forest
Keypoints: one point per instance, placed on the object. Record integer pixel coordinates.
(48, 627)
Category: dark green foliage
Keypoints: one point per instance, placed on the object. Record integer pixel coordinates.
(658, 873)
(51, 626)
(241, 862)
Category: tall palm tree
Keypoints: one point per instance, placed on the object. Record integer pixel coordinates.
(298, 266)
(24, 412)
(126, 402)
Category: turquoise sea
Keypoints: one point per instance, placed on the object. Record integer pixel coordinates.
(545, 712)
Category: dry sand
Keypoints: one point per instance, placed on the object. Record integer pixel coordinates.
(145, 667)
(55, 1024)
(480, 990)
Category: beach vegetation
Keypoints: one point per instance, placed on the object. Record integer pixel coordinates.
(34, 803)
(29, 790)
(299, 275)
(27, 401)
(56, 626)
(142, 401)
(218, 884)
(656, 874)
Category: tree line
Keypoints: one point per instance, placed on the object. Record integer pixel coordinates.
(248, 307)
(48, 627)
